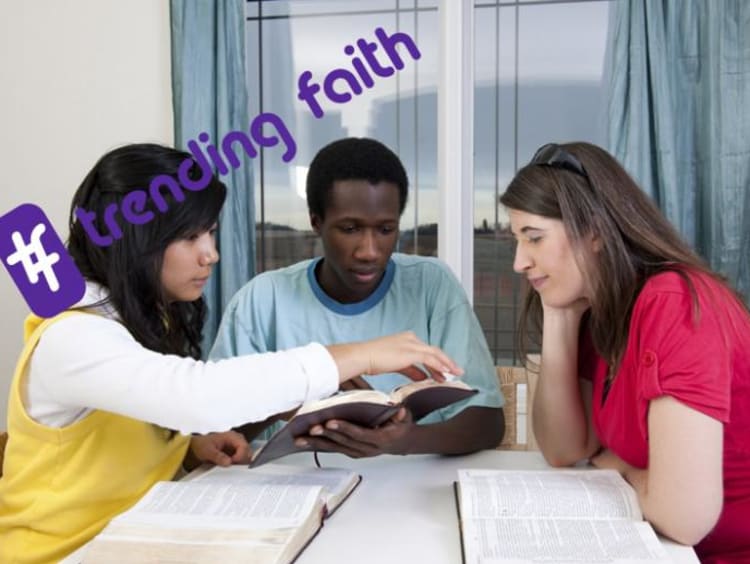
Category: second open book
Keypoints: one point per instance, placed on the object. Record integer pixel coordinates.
(227, 515)
(518, 516)
(367, 408)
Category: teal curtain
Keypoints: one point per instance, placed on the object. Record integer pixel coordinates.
(209, 93)
(678, 81)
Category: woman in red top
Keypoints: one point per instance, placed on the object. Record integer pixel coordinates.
(645, 352)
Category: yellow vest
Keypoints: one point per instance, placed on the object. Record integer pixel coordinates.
(61, 486)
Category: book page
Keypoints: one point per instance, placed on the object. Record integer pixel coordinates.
(336, 482)
(496, 541)
(555, 515)
(401, 392)
(224, 506)
(547, 493)
(202, 523)
(371, 396)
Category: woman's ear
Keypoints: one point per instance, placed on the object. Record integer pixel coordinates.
(596, 243)
(593, 239)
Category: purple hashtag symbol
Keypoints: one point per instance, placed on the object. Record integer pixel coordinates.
(38, 262)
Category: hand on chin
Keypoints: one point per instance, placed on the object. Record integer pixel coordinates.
(576, 307)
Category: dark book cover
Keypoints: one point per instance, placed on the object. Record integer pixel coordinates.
(364, 413)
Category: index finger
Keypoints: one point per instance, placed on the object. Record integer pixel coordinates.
(437, 362)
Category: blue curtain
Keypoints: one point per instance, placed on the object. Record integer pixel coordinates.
(210, 95)
(679, 118)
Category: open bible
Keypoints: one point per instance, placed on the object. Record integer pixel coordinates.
(552, 515)
(367, 408)
(337, 483)
(226, 515)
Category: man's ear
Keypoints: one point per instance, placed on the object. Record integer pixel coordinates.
(315, 222)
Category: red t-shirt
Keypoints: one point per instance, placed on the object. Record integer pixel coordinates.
(704, 363)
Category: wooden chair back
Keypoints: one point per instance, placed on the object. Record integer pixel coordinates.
(518, 385)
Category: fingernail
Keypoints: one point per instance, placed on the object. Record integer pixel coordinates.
(332, 425)
(316, 432)
(300, 443)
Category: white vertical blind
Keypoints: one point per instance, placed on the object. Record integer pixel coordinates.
(456, 140)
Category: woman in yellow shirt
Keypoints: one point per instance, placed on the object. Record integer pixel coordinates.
(106, 395)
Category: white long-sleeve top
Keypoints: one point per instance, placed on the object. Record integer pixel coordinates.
(86, 362)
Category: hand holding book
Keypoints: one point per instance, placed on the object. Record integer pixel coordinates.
(365, 420)
(344, 432)
(357, 441)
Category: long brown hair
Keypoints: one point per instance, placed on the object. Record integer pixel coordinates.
(637, 241)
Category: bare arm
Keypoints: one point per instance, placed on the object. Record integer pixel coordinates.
(561, 417)
(681, 492)
(473, 429)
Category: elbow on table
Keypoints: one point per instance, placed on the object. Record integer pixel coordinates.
(687, 534)
(557, 461)
(554, 461)
(558, 458)
(558, 454)
(480, 428)
(691, 529)
(497, 429)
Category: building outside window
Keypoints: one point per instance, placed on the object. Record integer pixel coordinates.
(538, 70)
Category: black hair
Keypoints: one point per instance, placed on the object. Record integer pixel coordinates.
(353, 158)
(130, 268)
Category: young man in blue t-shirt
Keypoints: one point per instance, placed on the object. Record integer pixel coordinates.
(360, 289)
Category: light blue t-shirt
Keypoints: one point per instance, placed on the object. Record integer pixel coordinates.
(286, 308)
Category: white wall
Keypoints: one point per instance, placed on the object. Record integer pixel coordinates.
(76, 79)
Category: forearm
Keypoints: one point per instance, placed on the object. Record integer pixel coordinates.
(558, 416)
(681, 492)
(475, 428)
(660, 515)
(190, 462)
(673, 516)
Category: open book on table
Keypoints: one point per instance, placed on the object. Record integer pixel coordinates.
(337, 483)
(367, 408)
(581, 515)
(226, 515)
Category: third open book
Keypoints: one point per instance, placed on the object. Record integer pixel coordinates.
(518, 516)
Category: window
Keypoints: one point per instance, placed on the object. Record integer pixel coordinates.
(538, 72)
(538, 78)
(283, 40)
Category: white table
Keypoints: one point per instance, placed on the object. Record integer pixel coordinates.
(404, 509)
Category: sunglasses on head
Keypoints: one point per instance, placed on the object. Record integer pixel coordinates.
(555, 156)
